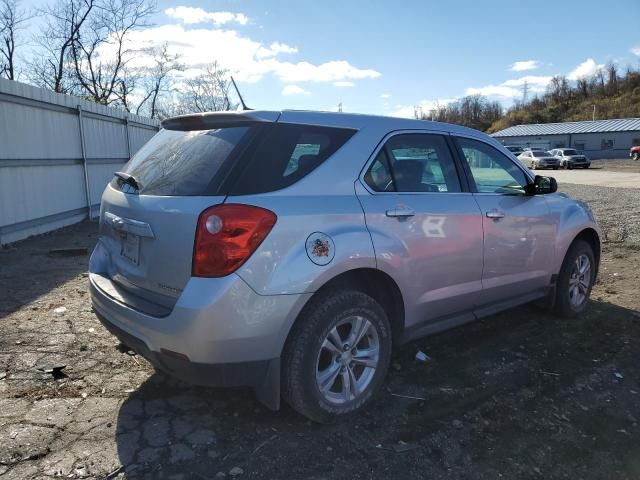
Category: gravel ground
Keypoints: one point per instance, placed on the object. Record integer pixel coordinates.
(617, 209)
(519, 395)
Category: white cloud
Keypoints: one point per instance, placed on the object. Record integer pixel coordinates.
(409, 111)
(293, 90)
(274, 49)
(523, 65)
(385, 95)
(586, 69)
(512, 88)
(344, 84)
(635, 50)
(247, 59)
(191, 15)
(331, 71)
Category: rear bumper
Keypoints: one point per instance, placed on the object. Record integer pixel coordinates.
(236, 374)
(217, 322)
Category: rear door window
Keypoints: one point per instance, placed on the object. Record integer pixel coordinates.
(416, 163)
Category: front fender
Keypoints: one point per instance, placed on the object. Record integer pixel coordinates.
(572, 217)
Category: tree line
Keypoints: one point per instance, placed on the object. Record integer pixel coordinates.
(474, 111)
(608, 93)
(84, 48)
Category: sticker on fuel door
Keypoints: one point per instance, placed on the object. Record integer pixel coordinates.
(320, 248)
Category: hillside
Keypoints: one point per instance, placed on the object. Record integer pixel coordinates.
(614, 96)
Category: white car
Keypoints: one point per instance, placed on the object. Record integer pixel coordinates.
(535, 159)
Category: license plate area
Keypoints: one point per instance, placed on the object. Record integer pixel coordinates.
(130, 247)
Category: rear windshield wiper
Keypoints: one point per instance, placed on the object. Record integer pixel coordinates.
(128, 179)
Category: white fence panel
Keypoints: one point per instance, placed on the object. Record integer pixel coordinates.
(43, 156)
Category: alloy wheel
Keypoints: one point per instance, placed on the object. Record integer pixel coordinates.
(347, 360)
(579, 280)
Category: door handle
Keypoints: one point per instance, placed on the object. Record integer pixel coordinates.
(400, 212)
(495, 214)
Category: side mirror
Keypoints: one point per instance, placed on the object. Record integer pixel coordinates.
(542, 185)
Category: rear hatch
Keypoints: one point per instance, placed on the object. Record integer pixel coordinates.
(150, 209)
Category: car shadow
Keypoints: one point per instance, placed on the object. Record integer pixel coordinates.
(487, 380)
(32, 267)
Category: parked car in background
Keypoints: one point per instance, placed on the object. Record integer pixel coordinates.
(290, 251)
(535, 159)
(570, 158)
(635, 152)
(514, 149)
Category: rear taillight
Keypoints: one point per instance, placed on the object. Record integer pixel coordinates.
(226, 236)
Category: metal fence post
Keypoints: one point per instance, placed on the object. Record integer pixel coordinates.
(85, 166)
(126, 129)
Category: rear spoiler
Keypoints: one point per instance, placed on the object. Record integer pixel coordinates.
(211, 120)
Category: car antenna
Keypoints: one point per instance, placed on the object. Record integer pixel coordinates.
(244, 106)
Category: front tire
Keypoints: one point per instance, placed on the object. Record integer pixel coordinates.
(575, 280)
(337, 355)
(636, 156)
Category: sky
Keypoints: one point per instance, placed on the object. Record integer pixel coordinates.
(388, 57)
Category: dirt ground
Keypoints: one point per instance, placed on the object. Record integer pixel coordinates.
(518, 395)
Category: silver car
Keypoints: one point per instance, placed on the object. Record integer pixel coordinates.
(570, 158)
(290, 251)
(535, 159)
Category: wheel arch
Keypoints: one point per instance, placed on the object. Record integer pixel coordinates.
(377, 284)
(590, 236)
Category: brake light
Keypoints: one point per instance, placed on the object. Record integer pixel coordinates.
(226, 236)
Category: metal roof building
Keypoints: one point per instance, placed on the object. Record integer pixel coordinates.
(597, 139)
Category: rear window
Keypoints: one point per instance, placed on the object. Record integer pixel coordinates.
(282, 154)
(181, 163)
(237, 160)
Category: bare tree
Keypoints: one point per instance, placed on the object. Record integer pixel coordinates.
(12, 19)
(101, 52)
(582, 85)
(51, 67)
(158, 78)
(208, 92)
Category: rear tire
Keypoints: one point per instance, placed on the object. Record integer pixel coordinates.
(576, 279)
(636, 156)
(325, 383)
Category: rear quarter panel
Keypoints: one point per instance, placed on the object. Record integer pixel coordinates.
(281, 264)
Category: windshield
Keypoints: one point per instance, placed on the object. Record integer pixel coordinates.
(570, 152)
(538, 153)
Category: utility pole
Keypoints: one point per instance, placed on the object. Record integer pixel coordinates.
(525, 92)
(593, 117)
(340, 107)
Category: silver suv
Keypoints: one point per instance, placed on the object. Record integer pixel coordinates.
(570, 158)
(289, 251)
